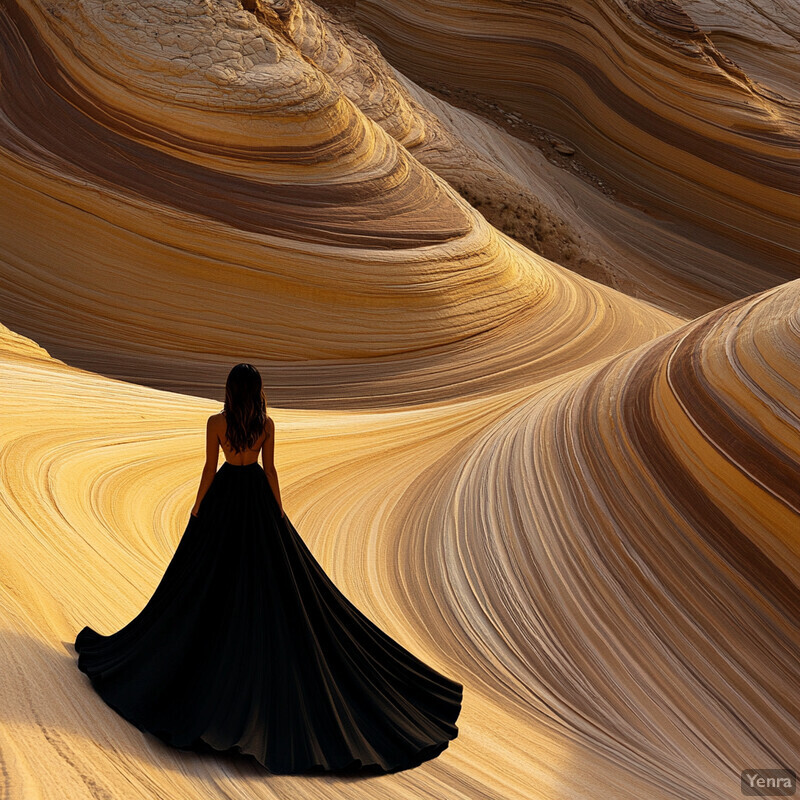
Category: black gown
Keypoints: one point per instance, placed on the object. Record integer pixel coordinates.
(247, 645)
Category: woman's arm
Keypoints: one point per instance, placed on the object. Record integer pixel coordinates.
(210, 467)
(268, 461)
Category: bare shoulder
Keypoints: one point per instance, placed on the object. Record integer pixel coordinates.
(217, 421)
(270, 426)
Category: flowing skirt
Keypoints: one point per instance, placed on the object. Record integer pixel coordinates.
(247, 645)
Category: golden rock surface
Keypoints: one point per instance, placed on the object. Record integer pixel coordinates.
(544, 431)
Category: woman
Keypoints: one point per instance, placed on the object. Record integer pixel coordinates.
(246, 643)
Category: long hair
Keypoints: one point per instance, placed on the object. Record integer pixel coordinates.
(245, 407)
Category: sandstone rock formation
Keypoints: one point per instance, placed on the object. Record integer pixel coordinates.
(656, 109)
(321, 240)
(523, 289)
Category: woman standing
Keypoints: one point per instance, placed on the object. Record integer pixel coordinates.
(246, 643)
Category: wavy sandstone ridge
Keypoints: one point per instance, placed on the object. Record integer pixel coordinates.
(649, 106)
(331, 254)
(761, 38)
(626, 549)
(607, 559)
(579, 504)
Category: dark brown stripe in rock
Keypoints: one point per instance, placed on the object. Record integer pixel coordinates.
(733, 436)
(668, 16)
(689, 497)
(46, 110)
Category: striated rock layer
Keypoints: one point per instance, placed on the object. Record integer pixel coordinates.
(573, 497)
(624, 543)
(647, 102)
(193, 145)
(607, 559)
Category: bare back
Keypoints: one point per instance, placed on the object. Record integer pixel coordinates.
(244, 457)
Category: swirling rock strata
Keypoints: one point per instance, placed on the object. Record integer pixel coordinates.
(306, 240)
(762, 38)
(646, 101)
(568, 499)
(626, 549)
(607, 559)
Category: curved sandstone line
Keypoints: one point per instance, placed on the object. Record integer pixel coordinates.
(762, 38)
(620, 555)
(593, 528)
(79, 138)
(95, 493)
(98, 236)
(86, 514)
(153, 206)
(563, 214)
(642, 95)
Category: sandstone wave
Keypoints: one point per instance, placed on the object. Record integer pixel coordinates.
(537, 410)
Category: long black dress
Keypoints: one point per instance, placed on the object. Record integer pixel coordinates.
(247, 645)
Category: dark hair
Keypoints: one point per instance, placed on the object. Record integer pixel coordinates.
(245, 407)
